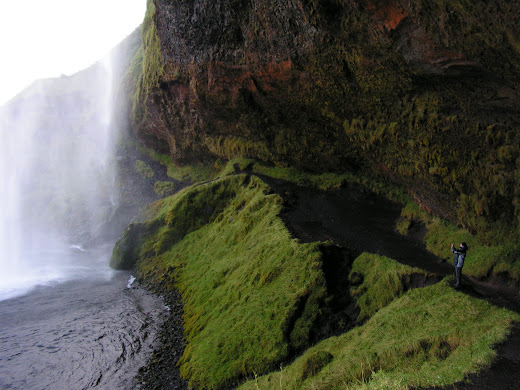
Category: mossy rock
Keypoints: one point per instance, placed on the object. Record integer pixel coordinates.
(164, 188)
(144, 170)
(125, 254)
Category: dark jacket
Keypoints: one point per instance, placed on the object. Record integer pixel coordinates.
(460, 255)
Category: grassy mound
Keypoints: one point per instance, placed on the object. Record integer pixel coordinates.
(377, 280)
(430, 336)
(251, 293)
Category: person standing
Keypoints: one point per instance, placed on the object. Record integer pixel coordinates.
(458, 261)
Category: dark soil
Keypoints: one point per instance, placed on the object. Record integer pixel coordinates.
(355, 219)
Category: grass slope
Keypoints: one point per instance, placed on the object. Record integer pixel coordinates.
(251, 293)
(430, 336)
(377, 280)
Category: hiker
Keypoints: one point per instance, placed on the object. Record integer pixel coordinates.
(458, 260)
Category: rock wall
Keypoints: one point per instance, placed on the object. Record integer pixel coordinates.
(424, 92)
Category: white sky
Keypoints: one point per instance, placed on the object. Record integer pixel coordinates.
(48, 38)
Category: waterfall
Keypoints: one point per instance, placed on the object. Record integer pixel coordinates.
(58, 178)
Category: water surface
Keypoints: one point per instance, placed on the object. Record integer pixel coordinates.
(94, 331)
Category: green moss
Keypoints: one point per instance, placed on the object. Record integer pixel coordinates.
(131, 77)
(251, 293)
(232, 165)
(164, 188)
(144, 169)
(324, 181)
(152, 65)
(192, 173)
(403, 226)
(125, 253)
(376, 281)
(314, 363)
(431, 336)
(230, 147)
(464, 166)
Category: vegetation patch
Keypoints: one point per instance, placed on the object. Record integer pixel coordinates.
(144, 169)
(191, 173)
(377, 280)
(151, 62)
(125, 253)
(314, 363)
(324, 181)
(236, 164)
(499, 259)
(432, 336)
(251, 293)
(164, 188)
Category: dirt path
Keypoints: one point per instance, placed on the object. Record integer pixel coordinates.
(365, 222)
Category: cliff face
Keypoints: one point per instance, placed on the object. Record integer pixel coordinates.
(425, 93)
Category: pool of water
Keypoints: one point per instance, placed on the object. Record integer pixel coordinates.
(90, 327)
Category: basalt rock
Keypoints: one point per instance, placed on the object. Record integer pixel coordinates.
(424, 93)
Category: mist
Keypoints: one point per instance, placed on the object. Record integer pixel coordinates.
(58, 179)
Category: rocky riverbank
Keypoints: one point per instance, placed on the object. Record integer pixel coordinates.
(162, 371)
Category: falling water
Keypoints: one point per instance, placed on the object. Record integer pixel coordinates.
(58, 183)
(66, 320)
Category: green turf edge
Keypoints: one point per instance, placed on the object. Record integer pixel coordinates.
(432, 336)
(251, 293)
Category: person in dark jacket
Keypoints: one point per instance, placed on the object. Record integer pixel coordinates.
(458, 261)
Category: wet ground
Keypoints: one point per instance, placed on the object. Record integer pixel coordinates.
(162, 371)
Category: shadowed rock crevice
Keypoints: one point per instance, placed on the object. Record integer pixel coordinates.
(340, 312)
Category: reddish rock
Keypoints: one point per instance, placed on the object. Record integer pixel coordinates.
(387, 14)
